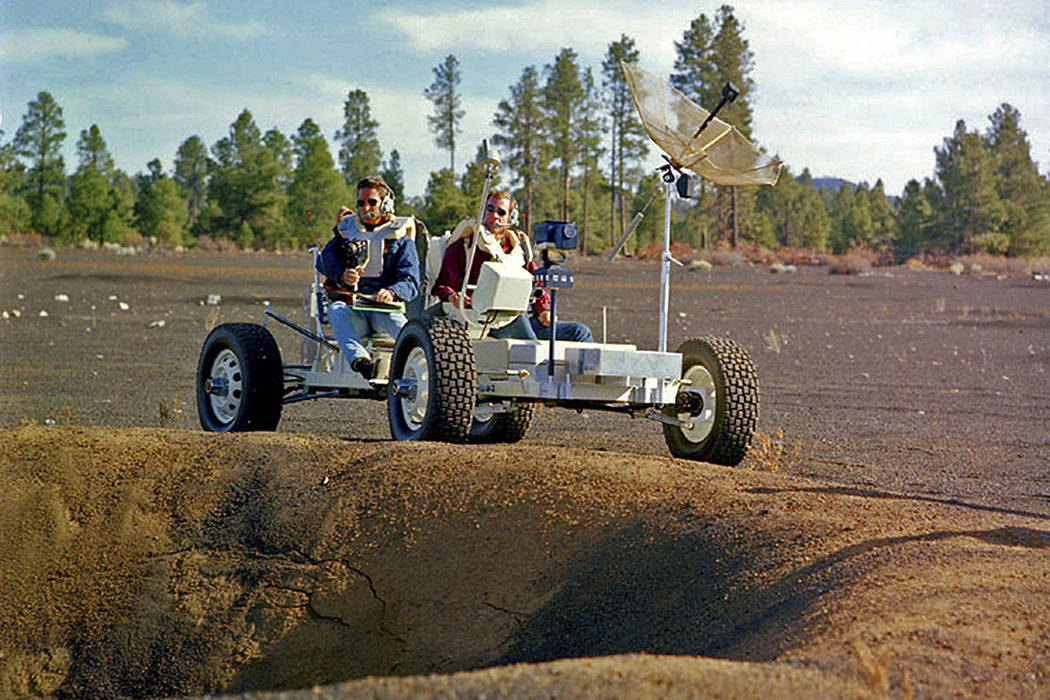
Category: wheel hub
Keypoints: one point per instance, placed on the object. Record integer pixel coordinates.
(225, 386)
(405, 388)
(219, 386)
(691, 402)
(695, 404)
(412, 389)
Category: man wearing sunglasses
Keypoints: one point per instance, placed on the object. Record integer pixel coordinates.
(371, 260)
(500, 217)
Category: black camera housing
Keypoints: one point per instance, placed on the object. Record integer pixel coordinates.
(351, 253)
(561, 235)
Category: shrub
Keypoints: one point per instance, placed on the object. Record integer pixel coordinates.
(850, 263)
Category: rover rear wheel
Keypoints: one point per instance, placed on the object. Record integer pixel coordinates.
(719, 403)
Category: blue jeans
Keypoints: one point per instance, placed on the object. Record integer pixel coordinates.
(350, 325)
(567, 330)
(518, 328)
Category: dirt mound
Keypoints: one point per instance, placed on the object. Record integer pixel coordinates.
(149, 562)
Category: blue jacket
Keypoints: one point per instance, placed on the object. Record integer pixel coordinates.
(400, 272)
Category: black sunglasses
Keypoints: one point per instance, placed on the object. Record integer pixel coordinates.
(489, 208)
(370, 202)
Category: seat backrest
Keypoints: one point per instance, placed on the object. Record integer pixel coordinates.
(415, 306)
(435, 254)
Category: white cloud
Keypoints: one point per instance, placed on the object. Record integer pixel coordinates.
(179, 19)
(541, 26)
(35, 44)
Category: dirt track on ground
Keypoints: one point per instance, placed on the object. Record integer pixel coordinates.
(903, 550)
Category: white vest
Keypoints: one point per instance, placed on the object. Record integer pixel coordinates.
(397, 227)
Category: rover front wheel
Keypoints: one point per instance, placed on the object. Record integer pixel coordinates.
(240, 379)
(433, 382)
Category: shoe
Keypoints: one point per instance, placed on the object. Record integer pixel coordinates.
(364, 367)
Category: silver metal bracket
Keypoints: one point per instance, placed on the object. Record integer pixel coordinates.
(658, 416)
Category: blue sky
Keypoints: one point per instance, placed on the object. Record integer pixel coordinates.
(855, 89)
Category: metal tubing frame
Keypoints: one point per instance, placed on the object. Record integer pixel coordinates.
(665, 272)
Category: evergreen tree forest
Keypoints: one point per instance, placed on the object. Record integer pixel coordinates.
(572, 148)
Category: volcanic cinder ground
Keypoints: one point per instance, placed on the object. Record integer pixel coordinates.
(891, 537)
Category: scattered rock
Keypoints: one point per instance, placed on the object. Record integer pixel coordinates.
(43, 314)
(123, 306)
(213, 300)
(157, 324)
(62, 297)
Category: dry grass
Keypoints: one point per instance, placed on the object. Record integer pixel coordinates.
(773, 453)
(168, 413)
(874, 672)
(25, 240)
(774, 340)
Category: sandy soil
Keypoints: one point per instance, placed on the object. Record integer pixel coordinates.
(904, 550)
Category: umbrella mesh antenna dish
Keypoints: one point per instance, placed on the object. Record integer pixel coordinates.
(720, 153)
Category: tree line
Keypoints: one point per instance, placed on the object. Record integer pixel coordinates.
(573, 148)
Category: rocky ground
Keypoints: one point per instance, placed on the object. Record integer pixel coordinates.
(889, 537)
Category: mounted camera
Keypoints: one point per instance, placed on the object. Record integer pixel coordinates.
(351, 253)
(560, 235)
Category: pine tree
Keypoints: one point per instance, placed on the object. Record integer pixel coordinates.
(160, 211)
(628, 141)
(280, 148)
(120, 224)
(520, 135)
(914, 221)
(444, 203)
(91, 196)
(249, 201)
(857, 225)
(394, 175)
(816, 227)
(92, 151)
(15, 215)
(782, 207)
(191, 175)
(839, 213)
(589, 133)
(39, 140)
(883, 222)
(695, 73)
(317, 189)
(971, 206)
(734, 63)
(444, 123)
(359, 152)
(1021, 188)
(563, 101)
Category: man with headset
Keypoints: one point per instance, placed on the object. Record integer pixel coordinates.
(370, 261)
(500, 218)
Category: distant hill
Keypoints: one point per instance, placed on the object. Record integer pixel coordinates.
(833, 184)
